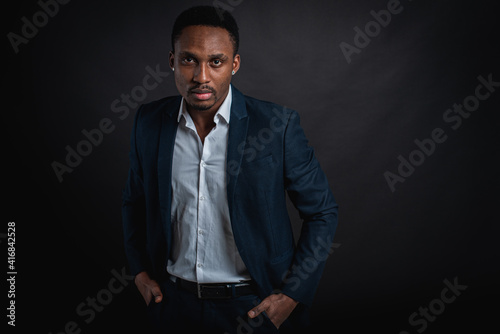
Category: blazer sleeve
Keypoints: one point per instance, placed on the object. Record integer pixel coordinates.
(308, 189)
(134, 209)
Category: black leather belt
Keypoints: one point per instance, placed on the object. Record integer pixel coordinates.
(216, 290)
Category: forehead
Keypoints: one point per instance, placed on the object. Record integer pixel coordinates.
(204, 39)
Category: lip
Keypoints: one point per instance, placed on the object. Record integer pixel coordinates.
(203, 95)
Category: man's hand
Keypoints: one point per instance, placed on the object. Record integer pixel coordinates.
(148, 288)
(277, 307)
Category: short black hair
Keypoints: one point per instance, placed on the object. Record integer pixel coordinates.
(207, 16)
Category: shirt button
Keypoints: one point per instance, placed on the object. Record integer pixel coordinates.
(200, 232)
(203, 164)
(199, 265)
(202, 198)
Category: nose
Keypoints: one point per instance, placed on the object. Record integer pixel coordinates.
(201, 74)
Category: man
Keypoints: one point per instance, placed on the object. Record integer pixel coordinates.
(206, 228)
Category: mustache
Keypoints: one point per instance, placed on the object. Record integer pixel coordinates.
(202, 89)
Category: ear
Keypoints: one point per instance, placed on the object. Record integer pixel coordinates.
(236, 63)
(171, 59)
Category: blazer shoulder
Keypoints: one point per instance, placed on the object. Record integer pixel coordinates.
(168, 104)
(151, 113)
(257, 107)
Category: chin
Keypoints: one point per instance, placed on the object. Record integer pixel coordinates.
(201, 106)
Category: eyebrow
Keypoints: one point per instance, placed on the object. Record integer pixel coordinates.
(192, 55)
(218, 55)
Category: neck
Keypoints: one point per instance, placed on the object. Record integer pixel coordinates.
(203, 119)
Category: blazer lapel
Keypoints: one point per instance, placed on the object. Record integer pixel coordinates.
(165, 156)
(238, 125)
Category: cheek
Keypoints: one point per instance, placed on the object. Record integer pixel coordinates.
(181, 78)
(223, 83)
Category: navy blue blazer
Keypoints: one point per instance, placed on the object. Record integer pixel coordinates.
(267, 155)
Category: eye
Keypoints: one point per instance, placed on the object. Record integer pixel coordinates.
(188, 60)
(217, 62)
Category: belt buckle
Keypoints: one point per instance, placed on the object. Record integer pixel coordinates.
(202, 295)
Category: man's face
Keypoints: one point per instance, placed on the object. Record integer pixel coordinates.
(203, 62)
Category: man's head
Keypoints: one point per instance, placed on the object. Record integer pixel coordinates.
(205, 42)
(210, 17)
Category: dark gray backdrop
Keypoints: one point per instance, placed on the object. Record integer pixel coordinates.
(394, 249)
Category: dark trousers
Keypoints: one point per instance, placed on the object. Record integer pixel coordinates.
(182, 312)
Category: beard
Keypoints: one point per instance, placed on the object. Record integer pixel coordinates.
(201, 106)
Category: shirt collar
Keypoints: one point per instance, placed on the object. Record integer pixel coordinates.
(224, 110)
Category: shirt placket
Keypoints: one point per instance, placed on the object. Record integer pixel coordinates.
(203, 210)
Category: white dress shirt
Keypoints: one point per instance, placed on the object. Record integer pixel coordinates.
(203, 249)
